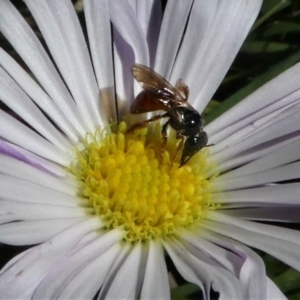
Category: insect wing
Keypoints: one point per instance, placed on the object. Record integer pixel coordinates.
(151, 81)
(147, 101)
(183, 89)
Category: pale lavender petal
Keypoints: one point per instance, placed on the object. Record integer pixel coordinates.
(272, 132)
(149, 14)
(287, 172)
(273, 292)
(13, 96)
(36, 93)
(170, 36)
(16, 168)
(282, 155)
(34, 232)
(251, 273)
(16, 211)
(155, 283)
(86, 282)
(60, 275)
(252, 128)
(280, 91)
(197, 268)
(14, 260)
(31, 192)
(29, 271)
(99, 32)
(285, 213)
(27, 45)
(286, 194)
(128, 280)
(130, 46)
(128, 26)
(6, 149)
(229, 257)
(280, 242)
(260, 153)
(62, 32)
(32, 159)
(17, 133)
(214, 34)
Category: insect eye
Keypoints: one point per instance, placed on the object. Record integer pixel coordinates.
(193, 143)
(192, 119)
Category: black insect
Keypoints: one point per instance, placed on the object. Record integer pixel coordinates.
(158, 94)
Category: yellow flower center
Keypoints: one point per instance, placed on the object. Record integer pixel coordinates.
(128, 184)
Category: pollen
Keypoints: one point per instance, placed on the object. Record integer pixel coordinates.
(130, 184)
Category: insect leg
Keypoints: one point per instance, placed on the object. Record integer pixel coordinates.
(180, 144)
(146, 122)
(164, 138)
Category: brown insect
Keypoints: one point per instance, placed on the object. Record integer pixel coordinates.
(158, 94)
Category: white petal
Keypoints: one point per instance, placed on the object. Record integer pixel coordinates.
(21, 170)
(252, 273)
(273, 292)
(230, 259)
(282, 194)
(99, 31)
(287, 235)
(21, 104)
(27, 45)
(114, 269)
(252, 128)
(279, 129)
(269, 94)
(200, 270)
(16, 211)
(32, 159)
(34, 232)
(259, 152)
(13, 152)
(291, 171)
(62, 32)
(29, 271)
(282, 213)
(87, 281)
(36, 93)
(281, 156)
(170, 36)
(214, 34)
(255, 122)
(63, 273)
(149, 14)
(33, 193)
(282, 243)
(126, 23)
(128, 279)
(14, 260)
(130, 46)
(155, 284)
(21, 135)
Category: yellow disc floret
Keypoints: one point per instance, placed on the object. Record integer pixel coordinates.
(129, 184)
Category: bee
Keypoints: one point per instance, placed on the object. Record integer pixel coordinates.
(159, 94)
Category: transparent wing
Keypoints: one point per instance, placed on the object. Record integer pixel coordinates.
(152, 81)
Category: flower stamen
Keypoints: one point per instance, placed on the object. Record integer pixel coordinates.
(122, 176)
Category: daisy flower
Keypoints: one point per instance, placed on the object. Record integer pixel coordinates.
(99, 205)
